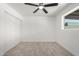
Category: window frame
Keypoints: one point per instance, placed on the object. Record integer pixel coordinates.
(63, 18)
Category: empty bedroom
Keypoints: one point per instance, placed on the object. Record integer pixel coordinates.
(39, 29)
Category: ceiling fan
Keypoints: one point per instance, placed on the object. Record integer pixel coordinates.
(41, 6)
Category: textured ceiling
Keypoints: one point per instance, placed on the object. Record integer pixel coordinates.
(27, 10)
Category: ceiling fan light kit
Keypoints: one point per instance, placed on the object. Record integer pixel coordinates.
(42, 6)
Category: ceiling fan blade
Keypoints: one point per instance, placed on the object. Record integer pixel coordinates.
(30, 4)
(45, 10)
(36, 10)
(52, 4)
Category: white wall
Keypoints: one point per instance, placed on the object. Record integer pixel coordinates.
(69, 39)
(39, 28)
(9, 31)
(36, 28)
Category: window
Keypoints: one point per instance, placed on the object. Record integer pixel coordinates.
(71, 23)
(71, 19)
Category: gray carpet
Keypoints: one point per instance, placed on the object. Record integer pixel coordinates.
(38, 49)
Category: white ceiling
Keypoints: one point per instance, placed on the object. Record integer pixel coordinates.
(26, 10)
